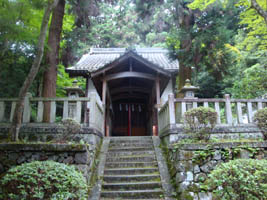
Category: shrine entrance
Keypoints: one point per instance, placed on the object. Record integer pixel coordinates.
(131, 88)
(130, 107)
(130, 119)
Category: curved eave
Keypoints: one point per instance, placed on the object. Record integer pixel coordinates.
(136, 56)
(75, 72)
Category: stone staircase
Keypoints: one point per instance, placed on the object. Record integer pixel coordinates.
(131, 170)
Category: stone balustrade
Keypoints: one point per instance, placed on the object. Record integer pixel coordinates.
(230, 111)
(86, 110)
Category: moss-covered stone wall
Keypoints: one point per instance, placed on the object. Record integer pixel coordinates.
(190, 164)
(81, 156)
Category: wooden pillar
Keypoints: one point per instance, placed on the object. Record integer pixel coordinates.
(104, 94)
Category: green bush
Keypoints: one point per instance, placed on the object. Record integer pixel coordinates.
(200, 122)
(43, 180)
(261, 120)
(241, 179)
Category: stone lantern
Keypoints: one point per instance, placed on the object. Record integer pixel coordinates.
(73, 92)
(189, 90)
(189, 93)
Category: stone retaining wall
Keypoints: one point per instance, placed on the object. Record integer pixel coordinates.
(81, 156)
(190, 164)
(42, 132)
(223, 131)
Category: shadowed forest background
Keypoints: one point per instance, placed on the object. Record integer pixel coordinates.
(221, 45)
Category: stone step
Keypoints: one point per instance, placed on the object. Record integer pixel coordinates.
(131, 159)
(129, 199)
(132, 186)
(131, 144)
(126, 171)
(130, 153)
(131, 178)
(121, 149)
(130, 138)
(130, 164)
(133, 194)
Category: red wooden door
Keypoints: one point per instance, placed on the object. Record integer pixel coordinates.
(130, 119)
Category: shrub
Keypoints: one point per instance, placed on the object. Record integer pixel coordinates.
(241, 179)
(43, 180)
(261, 120)
(201, 122)
(70, 128)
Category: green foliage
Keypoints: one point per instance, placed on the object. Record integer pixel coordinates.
(241, 179)
(201, 156)
(248, 75)
(255, 25)
(43, 180)
(253, 83)
(206, 36)
(261, 120)
(200, 122)
(63, 81)
(19, 29)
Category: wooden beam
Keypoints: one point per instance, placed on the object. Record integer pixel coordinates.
(128, 89)
(125, 96)
(129, 75)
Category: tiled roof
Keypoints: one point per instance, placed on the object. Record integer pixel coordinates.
(98, 58)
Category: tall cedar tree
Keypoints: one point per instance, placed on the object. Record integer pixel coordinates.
(16, 121)
(52, 57)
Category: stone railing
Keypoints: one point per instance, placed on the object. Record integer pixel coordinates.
(230, 111)
(84, 110)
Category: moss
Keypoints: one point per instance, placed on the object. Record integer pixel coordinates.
(186, 196)
(94, 177)
(188, 155)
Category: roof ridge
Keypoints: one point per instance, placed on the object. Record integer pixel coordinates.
(106, 50)
(124, 50)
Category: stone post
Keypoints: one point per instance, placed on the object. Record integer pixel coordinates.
(171, 110)
(2, 110)
(228, 110)
(27, 108)
(92, 108)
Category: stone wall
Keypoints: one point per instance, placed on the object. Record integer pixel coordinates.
(223, 131)
(42, 132)
(81, 156)
(190, 164)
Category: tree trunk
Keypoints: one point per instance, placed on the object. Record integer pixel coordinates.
(16, 121)
(50, 75)
(260, 10)
(184, 73)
